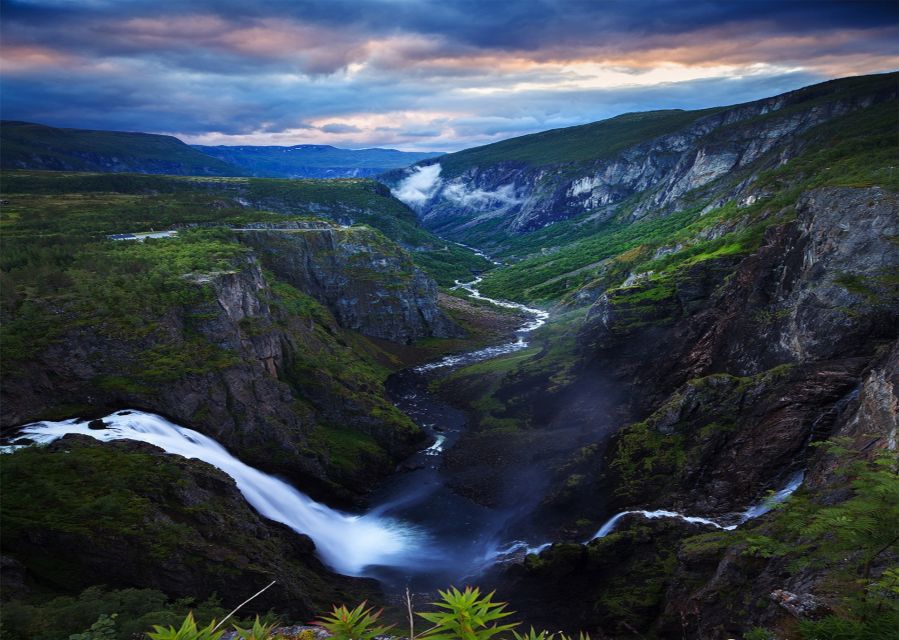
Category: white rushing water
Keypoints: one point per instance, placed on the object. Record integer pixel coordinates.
(539, 317)
(480, 254)
(520, 547)
(754, 511)
(347, 543)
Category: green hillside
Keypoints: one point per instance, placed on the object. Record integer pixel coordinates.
(856, 150)
(56, 204)
(581, 143)
(605, 138)
(25, 145)
(313, 160)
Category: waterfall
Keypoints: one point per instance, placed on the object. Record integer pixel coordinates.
(754, 511)
(347, 543)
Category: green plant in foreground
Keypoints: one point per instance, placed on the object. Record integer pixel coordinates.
(188, 631)
(467, 616)
(259, 631)
(533, 635)
(353, 624)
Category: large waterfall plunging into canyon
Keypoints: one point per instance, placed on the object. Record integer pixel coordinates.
(347, 543)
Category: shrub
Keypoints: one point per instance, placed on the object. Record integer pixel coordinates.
(102, 629)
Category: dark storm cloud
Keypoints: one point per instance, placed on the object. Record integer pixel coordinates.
(522, 24)
(416, 73)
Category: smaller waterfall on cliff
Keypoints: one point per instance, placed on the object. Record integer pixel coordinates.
(347, 543)
(760, 508)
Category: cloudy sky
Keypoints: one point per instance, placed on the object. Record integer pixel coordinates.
(415, 74)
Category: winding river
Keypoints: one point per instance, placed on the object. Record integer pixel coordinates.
(419, 532)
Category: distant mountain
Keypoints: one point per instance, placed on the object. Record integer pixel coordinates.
(314, 161)
(25, 145)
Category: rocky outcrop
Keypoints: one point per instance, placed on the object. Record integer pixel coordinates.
(763, 361)
(156, 521)
(870, 420)
(817, 289)
(369, 284)
(717, 575)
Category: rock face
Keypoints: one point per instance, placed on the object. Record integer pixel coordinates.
(369, 284)
(274, 371)
(816, 290)
(765, 362)
(517, 197)
(736, 366)
(158, 521)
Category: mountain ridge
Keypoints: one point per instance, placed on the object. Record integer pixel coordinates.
(28, 145)
(313, 161)
(641, 172)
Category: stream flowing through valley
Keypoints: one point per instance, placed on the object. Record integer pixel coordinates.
(418, 530)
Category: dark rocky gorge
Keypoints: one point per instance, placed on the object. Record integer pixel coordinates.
(253, 402)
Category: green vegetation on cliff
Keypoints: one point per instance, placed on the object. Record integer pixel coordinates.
(147, 317)
(160, 531)
(855, 150)
(58, 207)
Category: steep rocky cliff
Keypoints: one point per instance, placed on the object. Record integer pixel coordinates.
(369, 285)
(246, 356)
(257, 336)
(829, 552)
(256, 364)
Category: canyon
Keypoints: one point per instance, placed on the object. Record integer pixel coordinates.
(650, 389)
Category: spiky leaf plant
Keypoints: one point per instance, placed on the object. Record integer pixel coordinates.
(353, 624)
(188, 631)
(532, 634)
(258, 631)
(466, 615)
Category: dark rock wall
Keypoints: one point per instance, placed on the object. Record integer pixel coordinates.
(370, 284)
